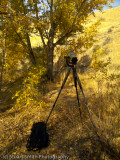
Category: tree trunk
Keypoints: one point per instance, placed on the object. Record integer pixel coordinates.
(1, 77)
(50, 52)
(31, 54)
(3, 62)
(30, 50)
(50, 63)
(50, 49)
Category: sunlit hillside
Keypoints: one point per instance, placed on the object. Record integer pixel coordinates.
(108, 39)
(109, 34)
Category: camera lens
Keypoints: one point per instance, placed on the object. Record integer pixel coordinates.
(72, 57)
(74, 60)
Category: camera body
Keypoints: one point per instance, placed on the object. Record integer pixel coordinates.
(71, 59)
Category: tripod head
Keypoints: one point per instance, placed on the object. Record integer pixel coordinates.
(71, 59)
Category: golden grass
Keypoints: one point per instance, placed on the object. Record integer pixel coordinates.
(109, 36)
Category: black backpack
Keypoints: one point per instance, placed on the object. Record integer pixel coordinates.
(38, 138)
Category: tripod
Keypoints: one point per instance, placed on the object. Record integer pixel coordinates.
(39, 138)
(76, 79)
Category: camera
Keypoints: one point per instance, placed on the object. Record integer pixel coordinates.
(71, 59)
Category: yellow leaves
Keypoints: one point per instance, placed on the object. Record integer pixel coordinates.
(28, 95)
(96, 65)
(31, 2)
(44, 4)
(98, 133)
(64, 15)
(87, 39)
(54, 116)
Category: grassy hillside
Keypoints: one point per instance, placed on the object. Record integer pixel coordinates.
(68, 134)
(109, 35)
(108, 39)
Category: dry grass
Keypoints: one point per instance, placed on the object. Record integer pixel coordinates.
(68, 136)
(110, 30)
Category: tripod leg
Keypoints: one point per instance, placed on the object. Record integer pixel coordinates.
(81, 88)
(59, 93)
(75, 83)
(85, 100)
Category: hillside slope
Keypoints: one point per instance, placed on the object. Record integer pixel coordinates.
(109, 35)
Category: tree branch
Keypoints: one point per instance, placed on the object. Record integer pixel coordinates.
(70, 29)
(62, 38)
(18, 34)
(51, 19)
(79, 11)
(40, 32)
(39, 29)
(46, 34)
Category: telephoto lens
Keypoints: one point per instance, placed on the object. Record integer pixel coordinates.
(73, 57)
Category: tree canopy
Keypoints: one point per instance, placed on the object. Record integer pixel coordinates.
(55, 20)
